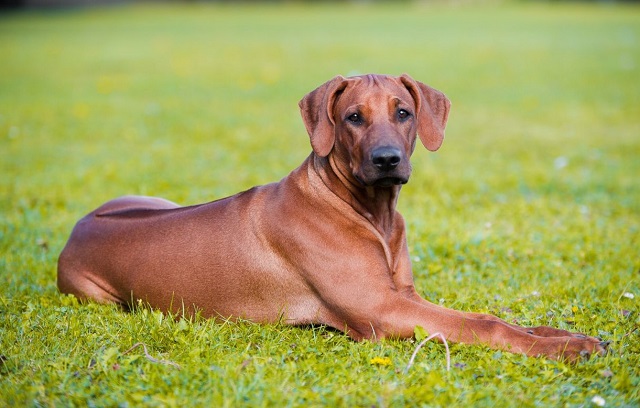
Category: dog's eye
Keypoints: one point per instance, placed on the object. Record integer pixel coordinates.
(403, 114)
(354, 118)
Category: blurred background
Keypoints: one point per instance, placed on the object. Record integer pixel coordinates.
(530, 210)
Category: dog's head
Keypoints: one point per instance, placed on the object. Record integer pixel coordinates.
(370, 122)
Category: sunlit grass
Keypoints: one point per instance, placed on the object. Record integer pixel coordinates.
(529, 211)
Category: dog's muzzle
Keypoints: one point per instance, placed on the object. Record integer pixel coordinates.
(386, 158)
(387, 166)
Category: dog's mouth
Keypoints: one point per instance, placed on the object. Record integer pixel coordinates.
(383, 182)
(389, 182)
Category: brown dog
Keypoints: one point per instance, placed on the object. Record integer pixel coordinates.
(324, 245)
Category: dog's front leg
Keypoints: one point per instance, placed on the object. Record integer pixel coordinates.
(399, 316)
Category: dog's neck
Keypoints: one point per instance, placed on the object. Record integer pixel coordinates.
(376, 204)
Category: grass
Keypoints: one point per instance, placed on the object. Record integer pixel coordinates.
(531, 209)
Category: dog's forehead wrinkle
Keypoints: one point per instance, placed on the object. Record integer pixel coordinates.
(379, 87)
(372, 81)
(369, 101)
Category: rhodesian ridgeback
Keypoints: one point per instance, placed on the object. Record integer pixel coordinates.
(325, 245)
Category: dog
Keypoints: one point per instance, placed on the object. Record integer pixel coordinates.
(325, 245)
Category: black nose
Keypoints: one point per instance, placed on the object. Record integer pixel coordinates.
(386, 158)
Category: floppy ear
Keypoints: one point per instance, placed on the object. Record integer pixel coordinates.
(432, 109)
(316, 109)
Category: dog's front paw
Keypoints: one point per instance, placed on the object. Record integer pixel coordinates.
(574, 348)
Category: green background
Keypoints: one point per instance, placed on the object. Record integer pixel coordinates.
(530, 210)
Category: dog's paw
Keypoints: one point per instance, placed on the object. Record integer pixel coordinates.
(575, 348)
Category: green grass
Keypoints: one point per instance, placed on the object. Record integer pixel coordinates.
(531, 209)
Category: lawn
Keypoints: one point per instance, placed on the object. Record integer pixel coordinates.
(530, 210)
